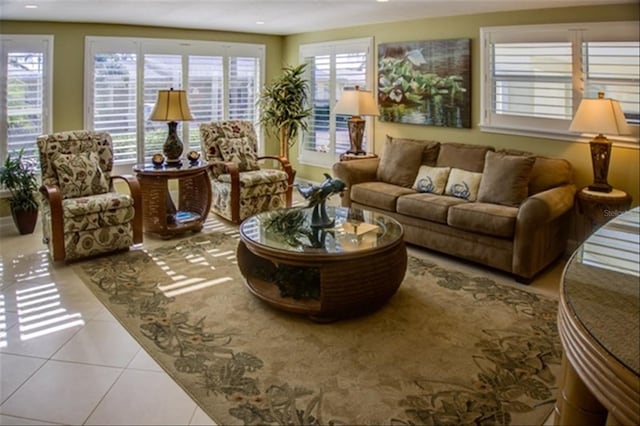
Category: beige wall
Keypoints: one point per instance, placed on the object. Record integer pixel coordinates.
(624, 172)
(69, 58)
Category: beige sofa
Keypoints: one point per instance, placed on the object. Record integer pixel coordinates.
(508, 210)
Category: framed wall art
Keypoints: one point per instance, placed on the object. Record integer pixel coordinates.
(425, 82)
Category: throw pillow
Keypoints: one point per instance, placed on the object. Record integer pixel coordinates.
(239, 151)
(399, 162)
(431, 179)
(463, 184)
(505, 179)
(463, 156)
(79, 175)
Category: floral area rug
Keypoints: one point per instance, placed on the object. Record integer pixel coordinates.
(447, 349)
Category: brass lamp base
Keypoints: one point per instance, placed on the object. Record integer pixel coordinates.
(173, 147)
(356, 131)
(600, 156)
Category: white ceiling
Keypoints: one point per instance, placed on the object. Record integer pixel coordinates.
(280, 17)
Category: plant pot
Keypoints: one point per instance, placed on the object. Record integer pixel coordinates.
(25, 220)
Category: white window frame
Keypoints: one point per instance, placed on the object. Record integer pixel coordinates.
(576, 33)
(185, 48)
(16, 42)
(326, 159)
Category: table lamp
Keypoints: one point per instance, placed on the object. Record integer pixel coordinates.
(356, 102)
(600, 116)
(171, 106)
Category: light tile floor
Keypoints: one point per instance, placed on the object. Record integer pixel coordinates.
(64, 359)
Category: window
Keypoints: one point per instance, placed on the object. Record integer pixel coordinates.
(26, 92)
(332, 67)
(535, 76)
(124, 76)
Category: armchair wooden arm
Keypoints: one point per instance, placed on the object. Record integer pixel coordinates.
(136, 194)
(53, 197)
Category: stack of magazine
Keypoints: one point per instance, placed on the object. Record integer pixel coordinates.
(182, 216)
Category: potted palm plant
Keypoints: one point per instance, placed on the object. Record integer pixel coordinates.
(283, 106)
(19, 177)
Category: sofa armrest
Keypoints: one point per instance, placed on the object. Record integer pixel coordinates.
(546, 206)
(353, 172)
(542, 230)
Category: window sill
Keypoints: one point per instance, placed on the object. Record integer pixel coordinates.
(618, 141)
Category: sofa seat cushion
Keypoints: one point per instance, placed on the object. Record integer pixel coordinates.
(378, 194)
(431, 207)
(96, 204)
(257, 177)
(490, 219)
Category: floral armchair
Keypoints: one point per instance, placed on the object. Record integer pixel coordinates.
(240, 186)
(82, 215)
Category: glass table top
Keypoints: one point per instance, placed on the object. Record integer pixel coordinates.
(289, 230)
(602, 286)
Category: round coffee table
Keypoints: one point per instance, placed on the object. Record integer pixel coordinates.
(351, 268)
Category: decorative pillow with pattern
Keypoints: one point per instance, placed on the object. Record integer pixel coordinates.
(79, 175)
(239, 151)
(431, 179)
(463, 184)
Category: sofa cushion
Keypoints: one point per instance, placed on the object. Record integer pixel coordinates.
(505, 179)
(430, 151)
(399, 162)
(239, 151)
(484, 218)
(378, 194)
(548, 173)
(463, 156)
(427, 206)
(431, 179)
(463, 184)
(79, 175)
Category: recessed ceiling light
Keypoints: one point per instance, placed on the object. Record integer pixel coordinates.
(30, 6)
(260, 22)
(382, 1)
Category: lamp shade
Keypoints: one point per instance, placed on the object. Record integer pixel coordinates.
(171, 105)
(601, 116)
(356, 102)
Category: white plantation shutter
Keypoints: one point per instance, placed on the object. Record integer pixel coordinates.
(243, 73)
(535, 76)
(330, 68)
(24, 114)
(613, 68)
(161, 72)
(221, 80)
(206, 96)
(115, 101)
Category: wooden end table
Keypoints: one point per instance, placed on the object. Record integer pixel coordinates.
(600, 207)
(349, 269)
(159, 212)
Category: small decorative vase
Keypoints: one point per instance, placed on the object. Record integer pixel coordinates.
(193, 156)
(157, 159)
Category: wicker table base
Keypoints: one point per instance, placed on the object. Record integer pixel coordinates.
(160, 215)
(338, 281)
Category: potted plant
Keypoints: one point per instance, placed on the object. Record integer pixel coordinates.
(283, 106)
(19, 177)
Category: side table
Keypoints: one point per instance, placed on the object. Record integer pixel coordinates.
(349, 157)
(159, 212)
(600, 207)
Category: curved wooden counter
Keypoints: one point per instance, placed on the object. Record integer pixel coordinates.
(599, 324)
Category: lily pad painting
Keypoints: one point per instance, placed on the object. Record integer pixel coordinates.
(425, 82)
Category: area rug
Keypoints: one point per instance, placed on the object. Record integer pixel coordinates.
(448, 348)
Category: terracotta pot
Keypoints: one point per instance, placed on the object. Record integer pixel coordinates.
(25, 220)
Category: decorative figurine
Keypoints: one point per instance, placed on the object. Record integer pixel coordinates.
(317, 196)
(157, 159)
(193, 156)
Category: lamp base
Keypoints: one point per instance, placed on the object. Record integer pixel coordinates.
(600, 187)
(600, 148)
(356, 131)
(173, 147)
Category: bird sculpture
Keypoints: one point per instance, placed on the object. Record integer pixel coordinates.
(317, 195)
